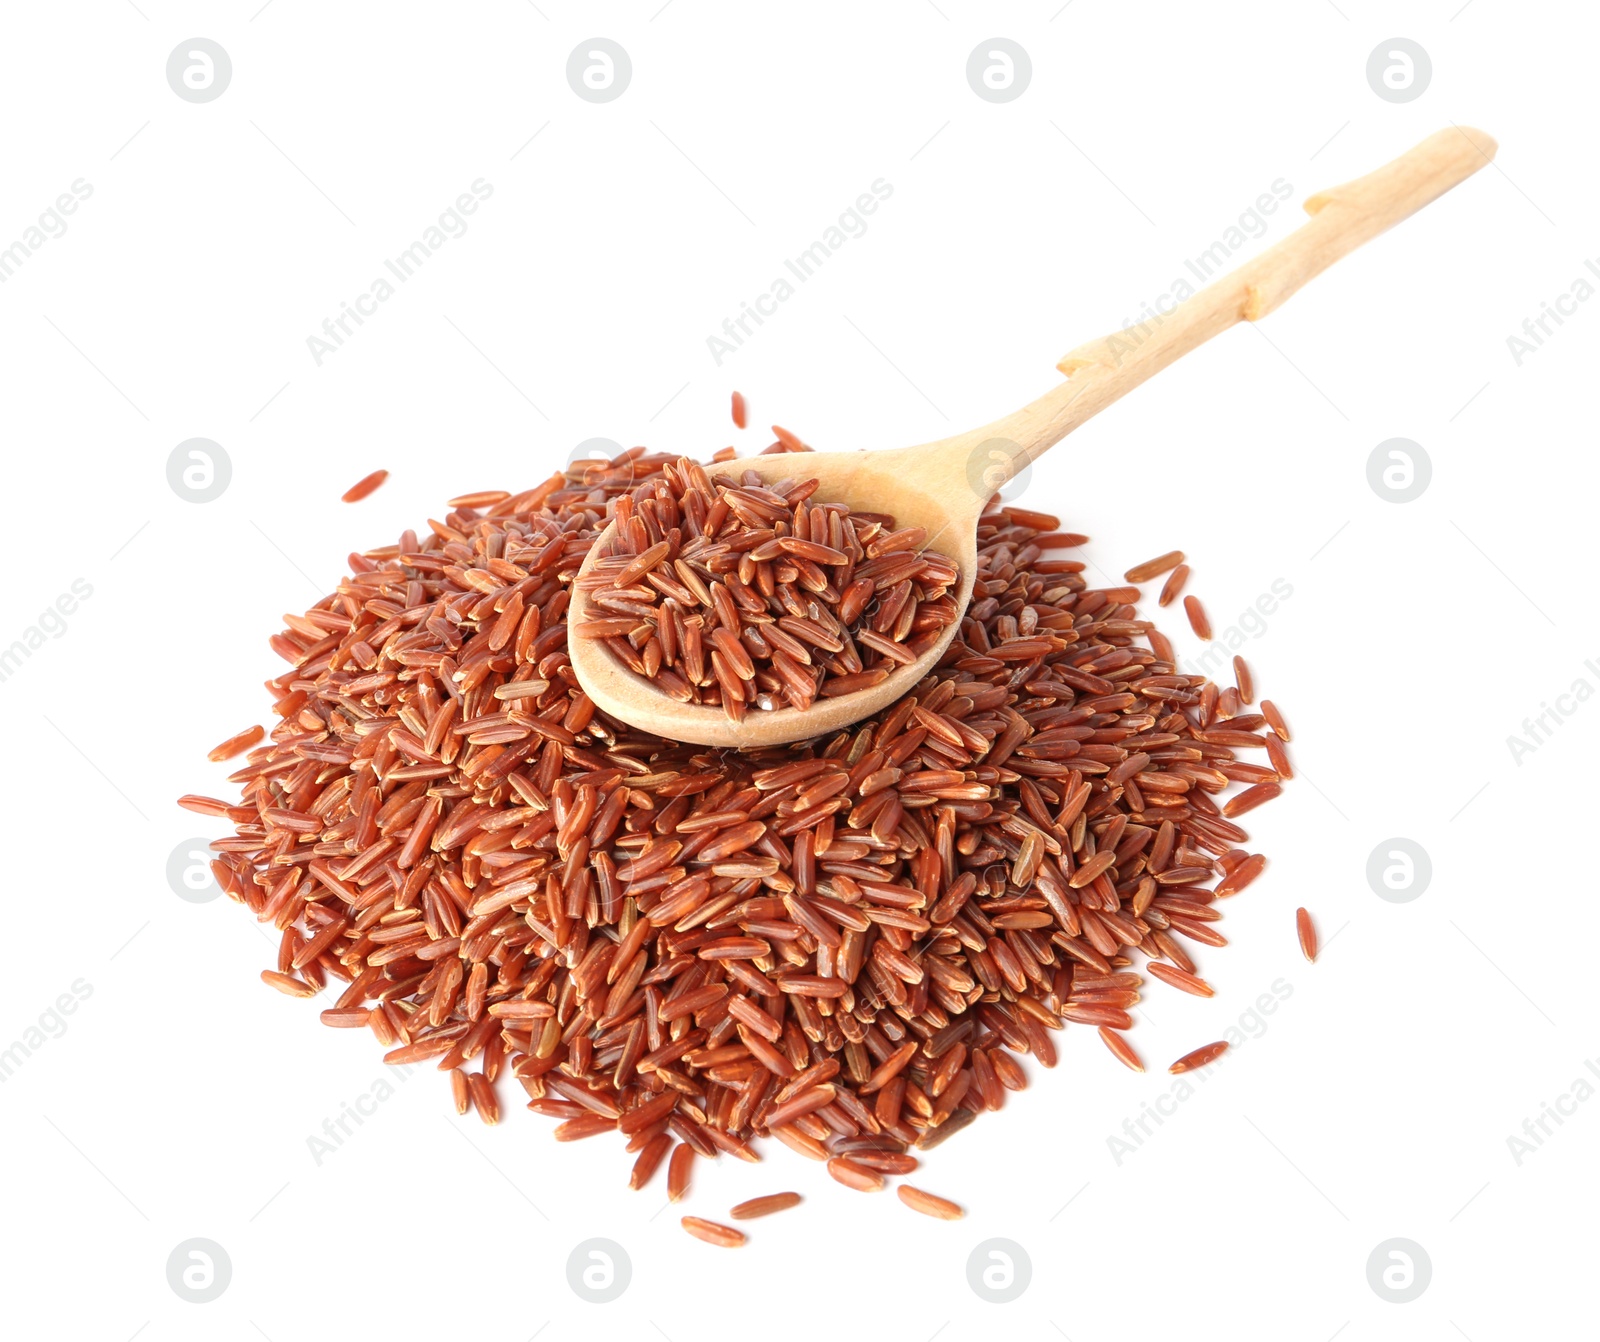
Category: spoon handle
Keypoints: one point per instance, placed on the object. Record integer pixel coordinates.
(1342, 218)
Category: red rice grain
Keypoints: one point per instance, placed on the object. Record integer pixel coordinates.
(678, 1172)
(1173, 585)
(288, 984)
(1308, 934)
(364, 486)
(1278, 754)
(1269, 710)
(1242, 679)
(1197, 617)
(1154, 568)
(235, 745)
(650, 1157)
(1200, 1057)
(765, 1206)
(1241, 876)
(483, 1097)
(203, 805)
(1121, 1049)
(1180, 979)
(853, 1174)
(724, 1237)
(929, 1205)
(1251, 798)
(739, 411)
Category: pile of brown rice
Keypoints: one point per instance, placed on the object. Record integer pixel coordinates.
(845, 943)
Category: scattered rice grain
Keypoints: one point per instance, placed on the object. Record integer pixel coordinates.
(724, 1237)
(928, 1204)
(1308, 934)
(1154, 568)
(1209, 1053)
(765, 1206)
(364, 486)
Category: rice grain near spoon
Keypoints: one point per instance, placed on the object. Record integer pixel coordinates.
(944, 487)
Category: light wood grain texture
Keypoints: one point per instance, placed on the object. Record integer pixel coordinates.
(944, 486)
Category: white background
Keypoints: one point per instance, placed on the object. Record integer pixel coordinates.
(1377, 1102)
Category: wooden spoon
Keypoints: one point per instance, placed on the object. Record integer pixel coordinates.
(945, 486)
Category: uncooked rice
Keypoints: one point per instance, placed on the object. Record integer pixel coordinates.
(929, 1204)
(236, 744)
(1308, 934)
(724, 1237)
(854, 1174)
(1121, 1049)
(1243, 680)
(679, 1170)
(364, 486)
(740, 593)
(764, 1206)
(1207, 1053)
(1154, 568)
(844, 943)
(1173, 585)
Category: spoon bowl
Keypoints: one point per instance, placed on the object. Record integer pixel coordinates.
(892, 481)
